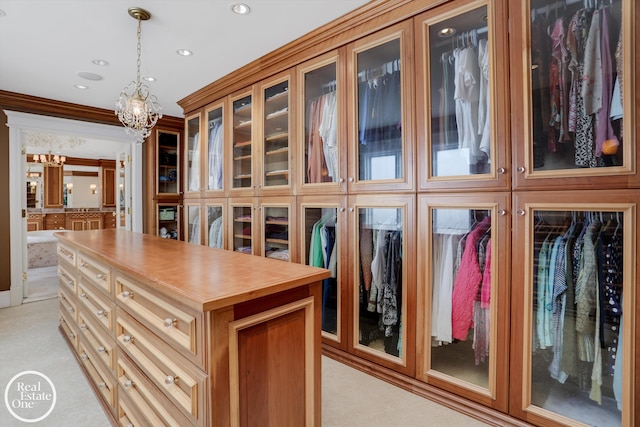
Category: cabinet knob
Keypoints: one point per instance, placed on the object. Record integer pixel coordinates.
(70, 310)
(127, 294)
(83, 326)
(502, 212)
(501, 171)
(521, 169)
(102, 384)
(100, 313)
(100, 276)
(101, 349)
(350, 210)
(170, 379)
(84, 356)
(71, 336)
(129, 384)
(350, 179)
(168, 322)
(127, 338)
(83, 295)
(520, 212)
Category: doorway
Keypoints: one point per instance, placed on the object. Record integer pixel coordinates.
(25, 130)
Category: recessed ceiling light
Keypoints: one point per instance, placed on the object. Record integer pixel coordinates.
(447, 32)
(149, 79)
(184, 52)
(90, 76)
(100, 62)
(82, 87)
(240, 8)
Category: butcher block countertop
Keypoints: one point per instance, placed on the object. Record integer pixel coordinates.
(200, 277)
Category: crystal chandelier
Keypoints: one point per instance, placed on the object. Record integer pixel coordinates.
(50, 160)
(136, 108)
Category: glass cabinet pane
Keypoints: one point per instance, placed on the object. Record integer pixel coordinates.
(321, 125)
(276, 135)
(215, 227)
(193, 154)
(380, 315)
(276, 232)
(215, 131)
(242, 229)
(321, 250)
(576, 318)
(242, 150)
(576, 80)
(193, 224)
(380, 113)
(458, 90)
(168, 221)
(168, 161)
(461, 294)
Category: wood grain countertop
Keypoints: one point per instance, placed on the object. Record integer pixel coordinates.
(201, 277)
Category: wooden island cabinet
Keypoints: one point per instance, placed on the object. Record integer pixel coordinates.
(213, 338)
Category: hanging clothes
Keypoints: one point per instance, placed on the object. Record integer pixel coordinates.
(316, 164)
(194, 172)
(215, 154)
(215, 233)
(467, 283)
(328, 133)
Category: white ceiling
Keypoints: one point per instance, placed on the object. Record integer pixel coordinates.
(44, 44)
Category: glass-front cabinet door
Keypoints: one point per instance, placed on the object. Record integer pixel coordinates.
(242, 225)
(320, 125)
(168, 220)
(242, 145)
(463, 295)
(193, 156)
(277, 152)
(322, 223)
(382, 279)
(278, 225)
(215, 232)
(462, 113)
(214, 157)
(193, 223)
(168, 163)
(574, 92)
(574, 349)
(381, 86)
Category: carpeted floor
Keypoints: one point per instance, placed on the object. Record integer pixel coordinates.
(29, 340)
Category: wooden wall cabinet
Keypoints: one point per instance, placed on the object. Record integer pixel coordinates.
(448, 147)
(53, 187)
(109, 186)
(84, 220)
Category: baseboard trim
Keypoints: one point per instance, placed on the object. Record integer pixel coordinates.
(5, 299)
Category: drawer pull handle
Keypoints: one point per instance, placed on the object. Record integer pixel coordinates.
(168, 322)
(100, 276)
(127, 338)
(83, 326)
(127, 294)
(100, 313)
(84, 356)
(129, 384)
(100, 349)
(170, 379)
(102, 384)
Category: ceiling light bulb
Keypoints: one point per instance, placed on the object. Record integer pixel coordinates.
(240, 8)
(149, 79)
(82, 87)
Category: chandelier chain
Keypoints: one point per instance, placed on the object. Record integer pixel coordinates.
(139, 48)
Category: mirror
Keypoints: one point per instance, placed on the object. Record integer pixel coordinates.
(81, 187)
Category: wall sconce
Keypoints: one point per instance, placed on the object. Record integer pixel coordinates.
(69, 187)
(93, 188)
